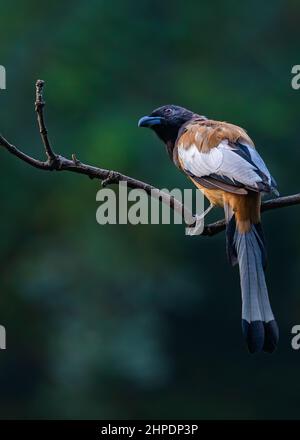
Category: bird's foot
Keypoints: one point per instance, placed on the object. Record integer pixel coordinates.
(198, 226)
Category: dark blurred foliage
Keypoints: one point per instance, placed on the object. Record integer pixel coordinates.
(140, 321)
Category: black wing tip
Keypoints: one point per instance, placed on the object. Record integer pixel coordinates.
(261, 336)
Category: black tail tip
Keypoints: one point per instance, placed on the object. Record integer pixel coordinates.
(271, 336)
(261, 336)
(254, 333)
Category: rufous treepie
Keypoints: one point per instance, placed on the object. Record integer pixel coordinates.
(221, 160)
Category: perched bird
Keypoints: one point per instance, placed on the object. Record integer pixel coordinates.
(221, 160)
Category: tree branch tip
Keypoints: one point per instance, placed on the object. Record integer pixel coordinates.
(40, 83)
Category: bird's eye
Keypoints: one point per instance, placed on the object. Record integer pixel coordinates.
(168, 111)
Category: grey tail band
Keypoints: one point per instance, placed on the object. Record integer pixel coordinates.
(259, 326)
(248, 250)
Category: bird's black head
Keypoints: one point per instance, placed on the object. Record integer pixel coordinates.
(166, 121)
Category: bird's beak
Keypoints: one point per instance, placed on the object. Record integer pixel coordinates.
(150, 121)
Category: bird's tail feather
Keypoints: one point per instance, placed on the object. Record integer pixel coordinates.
(248, 250)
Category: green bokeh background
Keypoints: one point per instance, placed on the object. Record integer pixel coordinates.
(140, 321)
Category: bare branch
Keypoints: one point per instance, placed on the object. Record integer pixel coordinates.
(39, 108)
(28, 159)
(61, 163)
(268, 205)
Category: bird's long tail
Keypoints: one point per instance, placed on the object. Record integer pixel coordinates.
(248, 250)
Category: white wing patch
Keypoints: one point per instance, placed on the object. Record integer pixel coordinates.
(201, 164)
(224, 161)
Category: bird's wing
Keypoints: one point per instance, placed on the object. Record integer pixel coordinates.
(232, 164)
